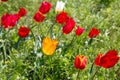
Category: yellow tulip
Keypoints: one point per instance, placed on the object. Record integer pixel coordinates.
(49, 46)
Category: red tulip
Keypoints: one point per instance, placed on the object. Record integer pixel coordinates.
(93, 33)
(107, 60)
(14, 19)
(22, 12)
(39, 17)
(97, 60)
(23, 31)
(9, 20)
(45, 7)
(5, 20)
(79, 31)
(80, 62)
(68, 26)
(62, 18)
(4, 0)
(17, 16)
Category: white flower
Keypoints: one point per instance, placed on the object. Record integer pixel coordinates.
(59, 6)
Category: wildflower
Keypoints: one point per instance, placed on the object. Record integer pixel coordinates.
(107, 60)
(62, 18)
(9, 20)
(49, 46)
(94, 32)
(23, 31)
(68, 27)
(6, 20)
(39, 17)
(14, 18)
(22, 12)
(45, 7)
(80, 62)
(79, 31)
(59, 6)
(97, 60)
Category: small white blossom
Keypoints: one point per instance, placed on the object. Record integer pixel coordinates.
(59, 6)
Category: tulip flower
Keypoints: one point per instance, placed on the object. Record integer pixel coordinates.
(22, 12)
(94, 32)
(62, 18)
(14, 19)
(79, 31)
(68, 27)
(59, 6)
(49, 46)
(97, 60)
(45, 7)
(107, 60)
(39, 17)
(23, 31)
(80, 62)
(9, 20)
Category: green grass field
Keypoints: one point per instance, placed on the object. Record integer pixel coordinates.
(23, 62)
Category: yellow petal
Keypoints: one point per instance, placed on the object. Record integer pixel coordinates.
(49, 46)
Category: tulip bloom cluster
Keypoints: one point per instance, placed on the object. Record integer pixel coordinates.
(69, 23)
(63, 18)
(44, 9)
(49, 45)
(107, 60)
(10, 20)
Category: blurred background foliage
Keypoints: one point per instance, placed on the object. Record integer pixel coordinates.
(24, 63)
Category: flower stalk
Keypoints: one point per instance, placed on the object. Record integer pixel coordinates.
(95, 73)
(78, 75)
(51, 30)
(17, 43)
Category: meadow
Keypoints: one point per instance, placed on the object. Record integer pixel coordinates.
(46, 51)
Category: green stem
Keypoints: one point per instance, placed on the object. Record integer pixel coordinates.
(17, 43)
(59, 34)
(78, 75)
(43, 68)
(117, 70)
(51, 30)
(4, 53)
(33, 26)
(90, 41)
(35, 68)
(32, 34)
(91, 68)
(95, 73)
